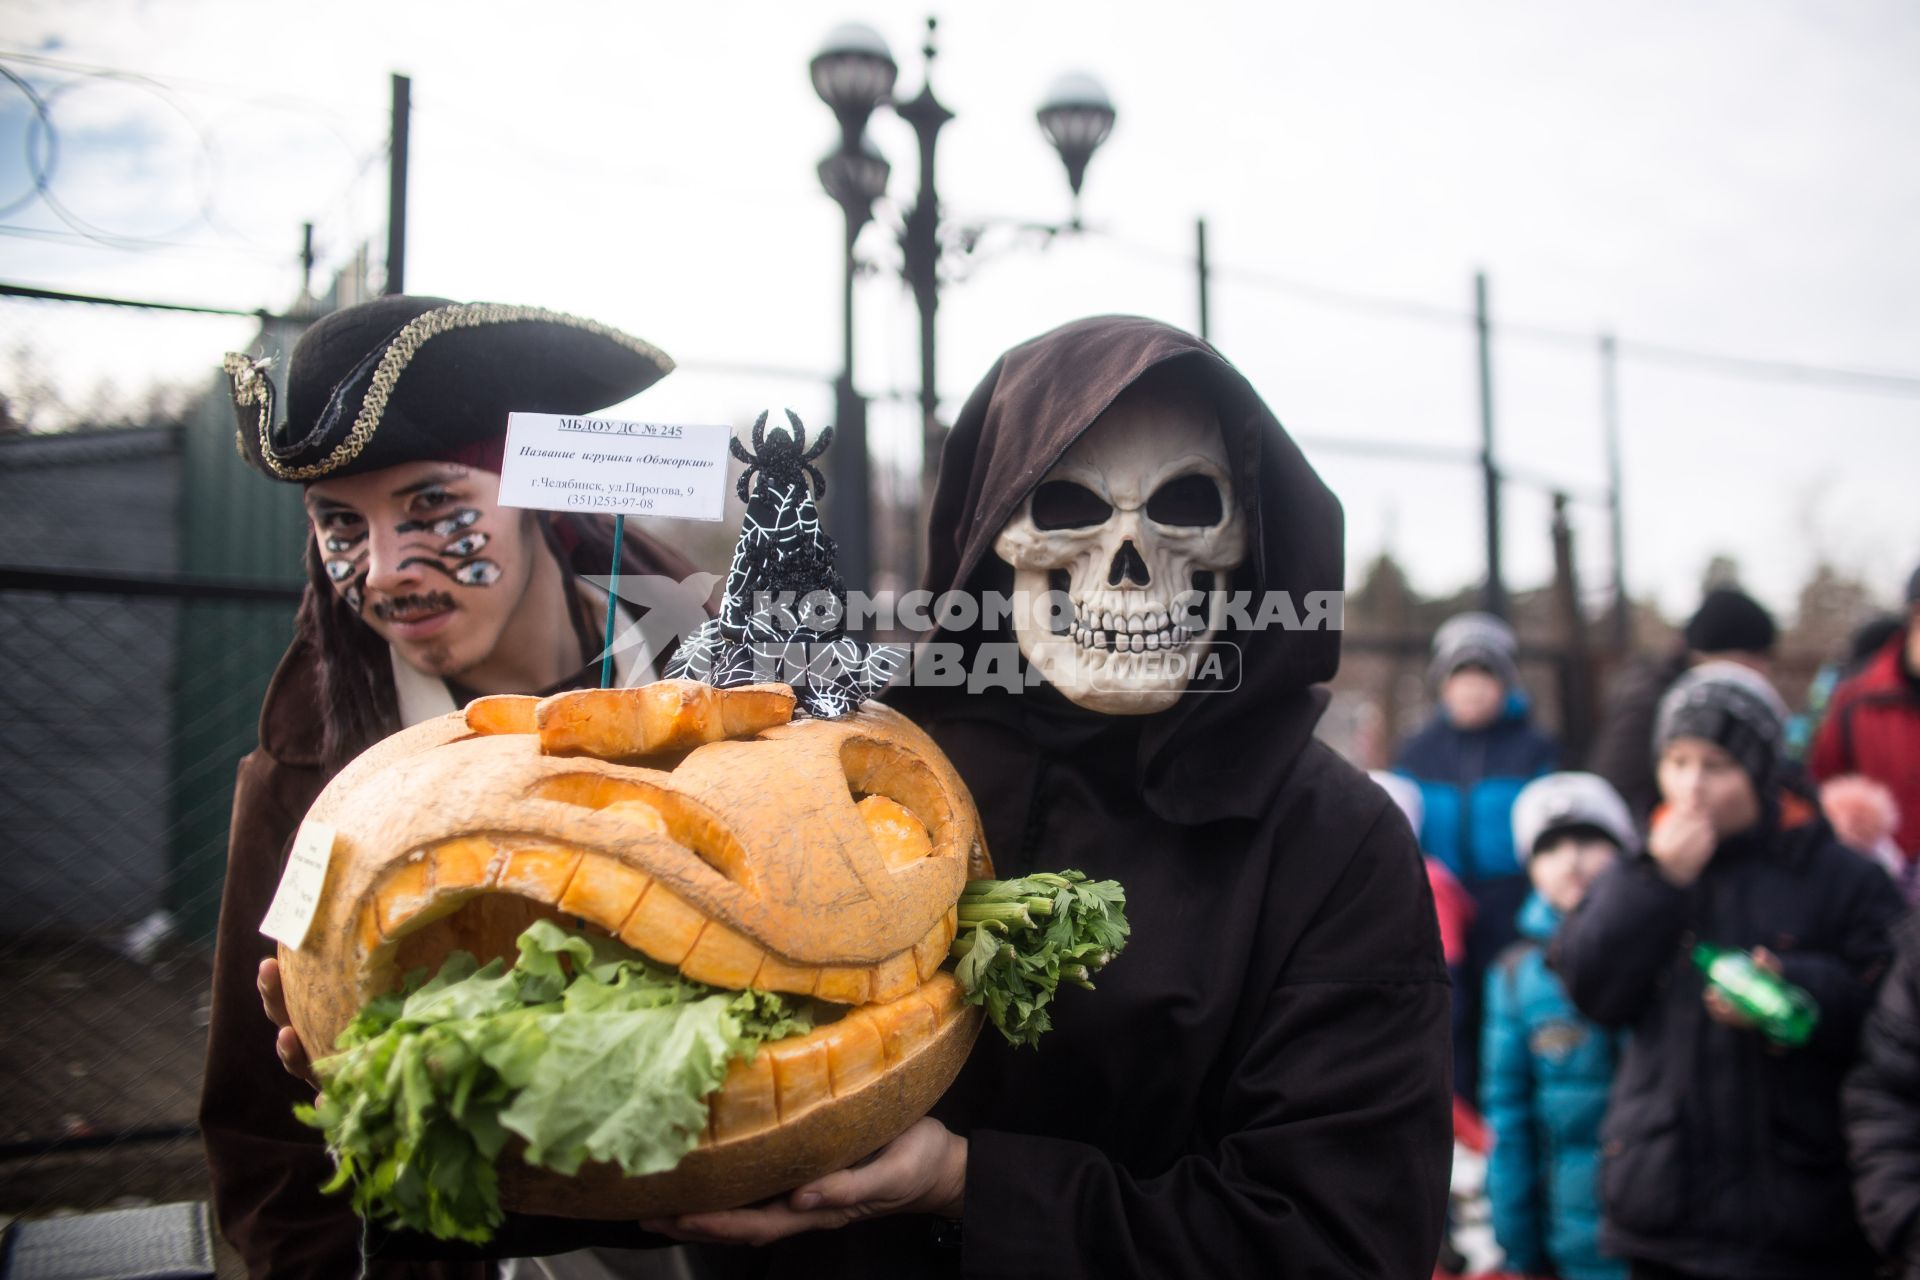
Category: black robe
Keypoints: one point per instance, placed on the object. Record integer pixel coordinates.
(1259, 1087)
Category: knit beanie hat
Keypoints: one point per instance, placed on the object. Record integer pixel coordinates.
(1560, 802)
(1474, 640)
(1730, 621)
(1732, 707)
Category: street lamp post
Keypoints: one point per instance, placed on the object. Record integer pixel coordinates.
(854, 73)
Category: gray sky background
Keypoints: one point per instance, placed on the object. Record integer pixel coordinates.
(1734, 177)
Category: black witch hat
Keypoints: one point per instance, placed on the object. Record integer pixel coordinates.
(783, 617)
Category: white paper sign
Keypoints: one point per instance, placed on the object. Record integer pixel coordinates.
(298, 897)
(556, 462)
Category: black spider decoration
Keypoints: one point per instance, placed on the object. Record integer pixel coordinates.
(784, 457)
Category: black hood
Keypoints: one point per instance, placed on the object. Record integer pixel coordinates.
(1212, 754)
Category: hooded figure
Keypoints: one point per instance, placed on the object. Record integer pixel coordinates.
(1260, 1084)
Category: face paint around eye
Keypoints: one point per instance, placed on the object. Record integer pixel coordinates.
(464, 547)
(455, 522)
(477, 573)
(445, 526)
(339, 545)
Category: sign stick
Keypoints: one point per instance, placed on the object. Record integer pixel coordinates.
(613, 594)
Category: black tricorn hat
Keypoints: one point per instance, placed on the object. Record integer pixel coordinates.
(403, 379)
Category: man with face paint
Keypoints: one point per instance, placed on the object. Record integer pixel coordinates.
(423, 593)
(1260, 1084)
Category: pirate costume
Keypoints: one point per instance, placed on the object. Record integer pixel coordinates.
(398, 380)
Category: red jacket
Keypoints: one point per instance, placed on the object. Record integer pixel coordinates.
(1873, 728)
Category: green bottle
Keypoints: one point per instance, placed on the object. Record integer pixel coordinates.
(1784, 1013)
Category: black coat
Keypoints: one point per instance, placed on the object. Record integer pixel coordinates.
(1721, 1155)
(1260, 1085)
(1882, 1105)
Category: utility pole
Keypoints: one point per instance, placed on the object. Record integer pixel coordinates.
(397, 186)
(1200, 232)
(1576, 687)
(1496, 598)
(306, 260)
(1610, 426)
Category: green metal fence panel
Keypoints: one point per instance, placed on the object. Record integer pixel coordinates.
(234, 523)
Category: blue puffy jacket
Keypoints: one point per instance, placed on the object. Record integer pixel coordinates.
(1544, 1075)
(1468, 780)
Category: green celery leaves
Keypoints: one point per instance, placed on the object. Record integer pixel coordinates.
(1020, 939)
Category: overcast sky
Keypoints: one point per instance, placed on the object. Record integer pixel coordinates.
(1734, 177)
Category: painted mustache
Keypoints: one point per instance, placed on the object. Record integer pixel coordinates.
(407, 606)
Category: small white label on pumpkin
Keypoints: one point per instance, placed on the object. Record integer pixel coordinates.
(558, 462)
(298, 897)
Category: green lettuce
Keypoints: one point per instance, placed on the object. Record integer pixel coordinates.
(582, 1047)
(586, 1050)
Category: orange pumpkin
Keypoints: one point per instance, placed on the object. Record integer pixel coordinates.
(708, 830)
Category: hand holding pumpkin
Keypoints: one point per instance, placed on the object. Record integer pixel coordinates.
(924, 1170)
(286, 1044)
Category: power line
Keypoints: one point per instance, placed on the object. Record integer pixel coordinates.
(282, 100)
(56, 295)
(79, 238)
(1757, 368)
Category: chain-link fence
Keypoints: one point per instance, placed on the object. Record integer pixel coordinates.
(147, 586)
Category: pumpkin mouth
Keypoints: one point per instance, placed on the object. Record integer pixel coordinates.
(475, 893)
(478, 893)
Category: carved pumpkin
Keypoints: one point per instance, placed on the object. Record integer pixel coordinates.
(706, 829)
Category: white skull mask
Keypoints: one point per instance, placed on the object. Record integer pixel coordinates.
(1136, 526)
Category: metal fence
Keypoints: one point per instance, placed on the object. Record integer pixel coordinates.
(147, 587)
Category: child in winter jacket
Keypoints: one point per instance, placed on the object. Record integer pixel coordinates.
(1724, 1155)
(1544, 1069)
(1470, 761)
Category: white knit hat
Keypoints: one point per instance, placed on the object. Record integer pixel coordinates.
(1562, 800)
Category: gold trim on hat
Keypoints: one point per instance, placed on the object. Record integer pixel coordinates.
(401, 351)
(250, 387)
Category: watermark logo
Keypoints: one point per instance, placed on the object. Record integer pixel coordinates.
(666, 612)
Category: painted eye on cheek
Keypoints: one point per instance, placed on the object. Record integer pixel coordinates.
(340, 546)
(352, 596)
(466, 546)
(477, 573)
(340, 570)
(455, 522)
